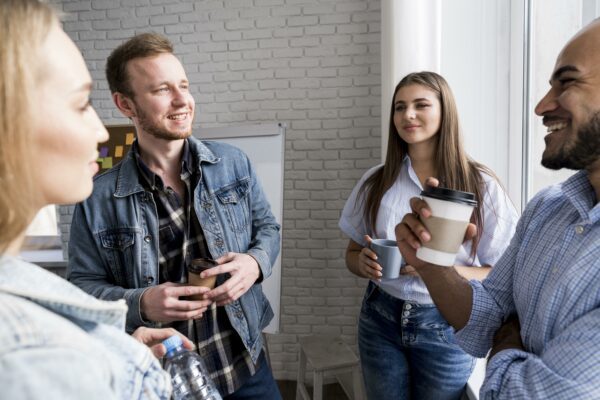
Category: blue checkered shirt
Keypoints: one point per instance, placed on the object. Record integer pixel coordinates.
(550, 277)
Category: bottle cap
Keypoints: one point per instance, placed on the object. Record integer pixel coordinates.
(172, 343)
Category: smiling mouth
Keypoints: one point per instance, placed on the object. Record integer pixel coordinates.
(556, 126)
(178, 117)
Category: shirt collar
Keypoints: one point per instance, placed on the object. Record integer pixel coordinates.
(153, 180)
(579, 191)
(407, 164)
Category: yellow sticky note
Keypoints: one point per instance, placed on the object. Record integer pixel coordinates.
(107, 162)
(118, 151)
(129, 138)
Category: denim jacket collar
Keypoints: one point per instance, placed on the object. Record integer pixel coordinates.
(23, 279)
(128, 181)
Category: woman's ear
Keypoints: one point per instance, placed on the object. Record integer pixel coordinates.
(124, 104)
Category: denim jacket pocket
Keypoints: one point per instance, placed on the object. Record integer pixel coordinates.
(234, 200)
(118, 245)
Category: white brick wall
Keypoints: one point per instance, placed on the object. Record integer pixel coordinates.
(313, 64)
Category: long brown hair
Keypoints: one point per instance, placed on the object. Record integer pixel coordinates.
(455, 169)
(24, 24)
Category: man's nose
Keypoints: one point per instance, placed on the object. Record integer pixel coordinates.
(179, 97)
(547, 103)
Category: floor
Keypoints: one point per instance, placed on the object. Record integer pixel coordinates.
(330, 392)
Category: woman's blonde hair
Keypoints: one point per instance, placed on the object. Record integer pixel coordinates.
(24, 24)
(455, 169)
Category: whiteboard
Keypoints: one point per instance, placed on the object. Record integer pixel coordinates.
(264, 145)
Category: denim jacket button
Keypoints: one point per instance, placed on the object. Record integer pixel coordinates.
(148, 239)
(149, 279)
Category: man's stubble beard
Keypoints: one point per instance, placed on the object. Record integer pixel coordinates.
(153, 130)
(584, 152)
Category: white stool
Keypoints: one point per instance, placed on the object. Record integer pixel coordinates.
(328, 355)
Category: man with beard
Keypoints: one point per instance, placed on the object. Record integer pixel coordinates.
(173, 199)
(539, 308)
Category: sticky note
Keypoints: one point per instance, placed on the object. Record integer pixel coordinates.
(118, 151)
(107, 162)
(103, 151)
(129, 138)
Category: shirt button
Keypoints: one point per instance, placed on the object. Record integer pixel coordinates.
(407, 306)
(405, 321)
(406, 313)
(148, 239)
(579, 229)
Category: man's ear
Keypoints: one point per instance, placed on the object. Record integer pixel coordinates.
(124, 104)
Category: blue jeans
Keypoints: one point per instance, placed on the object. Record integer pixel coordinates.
(408, 350)
(261, 385)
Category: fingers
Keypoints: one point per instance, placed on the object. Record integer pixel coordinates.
(431, 181)
(420, 207)
(411, 231)
(368, 239)
(230, 296)
(153, 337)
(228, 291)
(367, 264)
(187, 290)
(471, 232)
(173, 315)
(225, 258)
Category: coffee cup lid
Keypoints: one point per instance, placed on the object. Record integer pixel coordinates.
(198, 265)
(455, 196)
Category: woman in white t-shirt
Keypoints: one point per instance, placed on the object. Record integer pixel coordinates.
(407, 349)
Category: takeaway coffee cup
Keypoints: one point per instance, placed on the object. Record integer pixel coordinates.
(450, 215)
(388, 256)
(195, 268)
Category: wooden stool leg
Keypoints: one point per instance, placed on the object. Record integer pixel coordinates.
(357, 384)
(318, 386)
(301, 392)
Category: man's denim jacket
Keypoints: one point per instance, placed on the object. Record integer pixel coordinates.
(113, 248)
(61, 343)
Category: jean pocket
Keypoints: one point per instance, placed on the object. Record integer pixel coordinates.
(234, 200)
(118, 245)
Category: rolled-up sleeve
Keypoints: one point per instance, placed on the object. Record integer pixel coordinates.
(492, 303)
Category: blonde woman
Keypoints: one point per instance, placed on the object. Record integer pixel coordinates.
(57, 342)
(407, 349)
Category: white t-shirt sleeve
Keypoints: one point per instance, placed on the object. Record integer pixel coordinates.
(352, 222)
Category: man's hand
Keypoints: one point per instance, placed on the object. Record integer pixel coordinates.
(162, 303)
(153, 338)
(508, 336)
(243, 270)
(411, 233)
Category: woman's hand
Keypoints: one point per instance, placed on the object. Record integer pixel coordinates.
(153, 338)
(367, 262)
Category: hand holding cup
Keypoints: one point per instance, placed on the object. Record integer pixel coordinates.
(196, 267)
(412, 233)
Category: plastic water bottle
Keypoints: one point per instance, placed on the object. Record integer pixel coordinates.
(189, 376)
